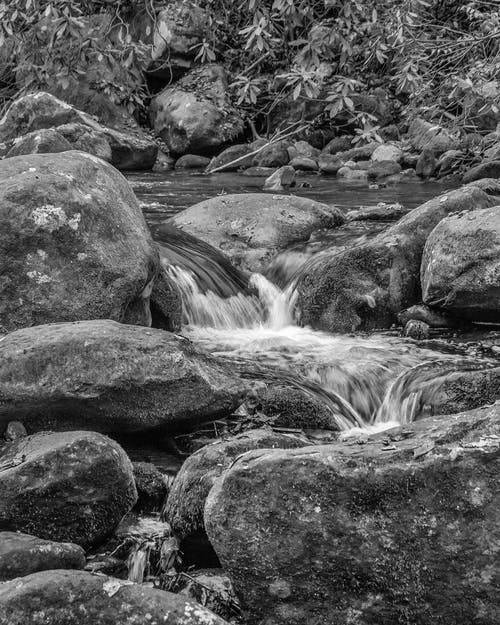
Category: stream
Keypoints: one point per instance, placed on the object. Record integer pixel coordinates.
(366, 380)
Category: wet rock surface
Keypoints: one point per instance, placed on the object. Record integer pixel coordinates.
(109, 377)
(461, 265)
(22, 554)
(86, 599)
(397, 528)
(366, 286)
(67, 486)
(251, 228)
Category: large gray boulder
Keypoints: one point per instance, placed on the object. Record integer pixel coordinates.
(67, 486)
(401, 529)
(366, 286)
(79, 598)
(22, 554)
(73, 243)
(196, 114)
(186, 500)
(127, 149)
(461, 265)
(251, 228)
(109, 377)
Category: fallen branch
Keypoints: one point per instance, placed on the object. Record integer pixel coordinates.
(275, 139)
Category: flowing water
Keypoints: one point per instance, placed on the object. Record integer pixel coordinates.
(367, 381)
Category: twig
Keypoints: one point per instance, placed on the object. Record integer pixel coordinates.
(278, 137)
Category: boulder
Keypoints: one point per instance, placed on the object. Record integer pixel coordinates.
(329, 163)
(87, 139)
(380, 212)
(192, 161)
(461, 265)
(70, 597)
(387, 152)
(151, 487)
(66, 486)
(281, 179)
(177, 31)
(302, 149)
(338, 144)
(252, 228)
(22, 554)
(186, 500)
(212, 588)
(40, 141)
(367, 285)
(226, 159)
(110, 377)
(73, 242)
(383, 169)
(274, 155)
(130, 149)
(258, 172)
(304, 163)
(432, 317)
(396, 530)
(196, 114)
(423, 134)
(488, 169)
(352, 174)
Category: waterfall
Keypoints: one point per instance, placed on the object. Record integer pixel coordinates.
(248, 321)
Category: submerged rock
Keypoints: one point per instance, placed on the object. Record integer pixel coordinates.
(109, 377)
(396, 530)
(461, 265)
(366, 286)
(67, 597)
(251, 228)
(67, 486)
(196, 114)
(73, 243)
(186, 500)
(22, 554)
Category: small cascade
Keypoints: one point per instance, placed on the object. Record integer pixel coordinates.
(249, 322)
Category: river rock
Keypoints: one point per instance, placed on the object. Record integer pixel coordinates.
(423, 134)
(70, 597)
(387, 152)
(302, 149)
(338, 144)
(212, 588)
(110, 377)
(196, 114)
(151, 487)
(329, 163)
(273, 155)
(367, 285)
(383, 169)
(251, 228)
(375, 533)
(73, 242)
(281, 179)
(434, 318)
(461, 265)
(66, 486)
(304, 163)
(131, 149)
(426, 164)
(39, 142)
(416, 329)
(186, 500)
(22, 554)
(225, 159)
(87, 139)
(380, 212)
(192, 161)
(352, 174)
(488, 169)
